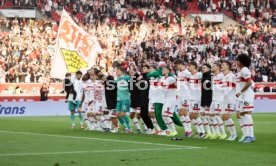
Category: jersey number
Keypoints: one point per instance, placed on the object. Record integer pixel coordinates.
(229, 106)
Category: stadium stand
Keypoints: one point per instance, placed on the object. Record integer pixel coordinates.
(26, 50)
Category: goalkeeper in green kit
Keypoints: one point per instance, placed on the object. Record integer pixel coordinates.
(123, 99)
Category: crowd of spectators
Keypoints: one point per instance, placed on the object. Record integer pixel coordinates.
(90, 10)
(244, 10)
(132, 33)
(26, 50)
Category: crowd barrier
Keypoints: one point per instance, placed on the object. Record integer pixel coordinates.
(31, 106)
(28, 104)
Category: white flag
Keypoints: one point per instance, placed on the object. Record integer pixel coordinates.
(75, 48)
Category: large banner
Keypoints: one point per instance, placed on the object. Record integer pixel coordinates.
(47, 108)
(75, 48)
(265, 105)
(60, 108)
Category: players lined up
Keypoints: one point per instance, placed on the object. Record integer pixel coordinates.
(205, 99)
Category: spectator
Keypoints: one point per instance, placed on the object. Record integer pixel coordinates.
(44, 90)
(18, 90)
(267, 88)
(258, 77)
(273, 89)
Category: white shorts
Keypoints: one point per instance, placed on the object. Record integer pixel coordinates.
(168, 109)
(151, 107)
(229, 108)
(238, 105)
(104, 105)
(206, 110)
(216, 107)
(135, 110)
(194, 106)
(90, 106)
(183, 103)
(98, 107)
(246, 106)
(84, 107)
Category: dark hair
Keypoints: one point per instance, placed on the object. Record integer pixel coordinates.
(68, 74)
(97, 71)
(86, 77)
(100, 76)
(207, 65)
(193, 63)
(168, 67)
(228, 64)
(179, 62)
(110, 77)
(121, 69)
(79, 72)
(244, 60)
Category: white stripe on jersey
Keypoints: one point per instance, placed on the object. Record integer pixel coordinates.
(218, 91)
(229, 85)
(88, 91)
(194, 86)
(183, 83)
(243, 76)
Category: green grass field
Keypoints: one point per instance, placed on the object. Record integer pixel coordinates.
(49, 141)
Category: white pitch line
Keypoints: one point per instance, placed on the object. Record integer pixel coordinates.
(101, 139)
(94, 151)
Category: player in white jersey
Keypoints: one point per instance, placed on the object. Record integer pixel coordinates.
(217, 102)
(99, 103)
(105, 113)
(88, 102)
(246, 98)
(195, 97)
(168, 88)
(93, 106)
(229, 86)
(183, 76)
(152, 93)
(156, 98)
(87, 99)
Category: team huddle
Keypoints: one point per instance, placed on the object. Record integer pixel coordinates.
(156, 101)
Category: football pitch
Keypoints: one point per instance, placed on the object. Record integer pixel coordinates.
(49, 141)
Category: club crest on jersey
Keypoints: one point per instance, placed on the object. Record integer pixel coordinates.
(246, 103)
